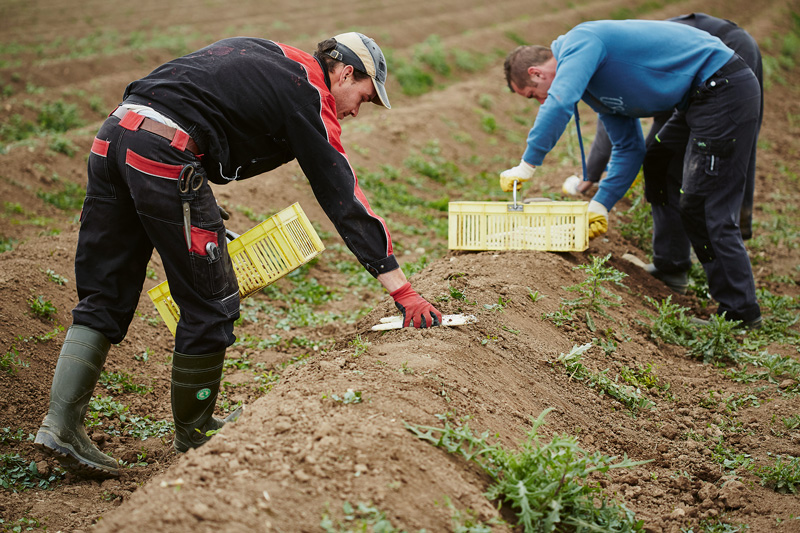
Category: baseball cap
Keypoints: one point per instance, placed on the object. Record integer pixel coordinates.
(362, 53)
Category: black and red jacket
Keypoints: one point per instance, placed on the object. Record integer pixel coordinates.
(253, 105)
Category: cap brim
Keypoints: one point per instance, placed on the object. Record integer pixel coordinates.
(382, 98)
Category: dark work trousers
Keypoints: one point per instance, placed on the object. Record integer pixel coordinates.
(721, 124)
(133, 205)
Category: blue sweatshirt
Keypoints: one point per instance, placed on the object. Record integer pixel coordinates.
(623, 70)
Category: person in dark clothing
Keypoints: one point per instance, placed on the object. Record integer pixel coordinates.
(629, 69)
(227, 112)
(663, 164)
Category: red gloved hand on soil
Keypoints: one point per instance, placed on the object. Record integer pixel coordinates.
(417, 311)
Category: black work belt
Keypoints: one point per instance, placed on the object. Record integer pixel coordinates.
(133, 121)
(734, 64)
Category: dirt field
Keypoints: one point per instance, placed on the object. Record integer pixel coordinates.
(300, 450)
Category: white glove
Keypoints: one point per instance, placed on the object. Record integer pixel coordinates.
(570, 185)
(520, 173)
(598, 219)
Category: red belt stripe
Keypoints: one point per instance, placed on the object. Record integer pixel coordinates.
(154, 168)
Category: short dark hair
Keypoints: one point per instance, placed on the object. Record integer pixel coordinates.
(324, 49)
(519, 59)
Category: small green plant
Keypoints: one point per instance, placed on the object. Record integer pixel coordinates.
(710, 525)
(7, 436)
(405, 369)
(593, 295)
(59, 116)
(499, 306)
(545, 483)
(639, 228)
(144, 356)
(670, 323)
(728, 458)
(629, 396)
(535, 296)
(69, 198)
(349, 397)
(42, 307)
(22, 524)
(104, 407)
(266, 381)
(11, 361)
(467, 521)
(363, 517)
(17, 474)
(7, 244)
(62, 145)
(792, 422)
(143, 428)
(643, 377)
(55, 278)
(782, 476)
(361, 346)
(119, 382)
(716, 343)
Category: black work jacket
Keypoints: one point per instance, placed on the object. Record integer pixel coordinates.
(252, 105)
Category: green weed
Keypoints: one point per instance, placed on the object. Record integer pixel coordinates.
(710, 525)
(69, 198)
(104, 408)
(639, 229)
(728, 458)
(545, 483)
(143, 428)
(55, 278)
(792, 422)
(363, 517)
(7, 244)
(59, 116)
(349, 397)
(782, 476)
(716, 343)
(7, 436)
(431, 53)
(593, 295)
(627, 395)
(266, 381)
(42, 307)
(62, 145)
(22, 524)
(360, 345)
(17, 474)
(11, 361)
(670, 323)
(467, 521)
(120, 382)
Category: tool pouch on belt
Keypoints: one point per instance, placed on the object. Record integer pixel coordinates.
(706, 161)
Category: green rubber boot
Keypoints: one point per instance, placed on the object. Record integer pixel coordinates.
(195, 384)
(62, 434)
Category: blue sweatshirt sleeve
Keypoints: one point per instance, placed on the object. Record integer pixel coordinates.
(627, 155)
(579, 53)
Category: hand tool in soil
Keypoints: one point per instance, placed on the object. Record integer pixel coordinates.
(396, 322)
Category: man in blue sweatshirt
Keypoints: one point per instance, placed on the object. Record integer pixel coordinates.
(626, 70)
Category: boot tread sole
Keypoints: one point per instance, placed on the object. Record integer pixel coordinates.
(66, 455)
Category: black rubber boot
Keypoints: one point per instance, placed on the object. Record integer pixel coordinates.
(62, 434)
(678, 282)
(195, 384)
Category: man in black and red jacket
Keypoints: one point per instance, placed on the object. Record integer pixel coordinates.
(228, 112)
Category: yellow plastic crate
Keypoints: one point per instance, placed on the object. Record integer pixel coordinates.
(260, 256)
(549, 226)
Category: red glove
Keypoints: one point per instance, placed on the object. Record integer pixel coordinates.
(417, 312)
